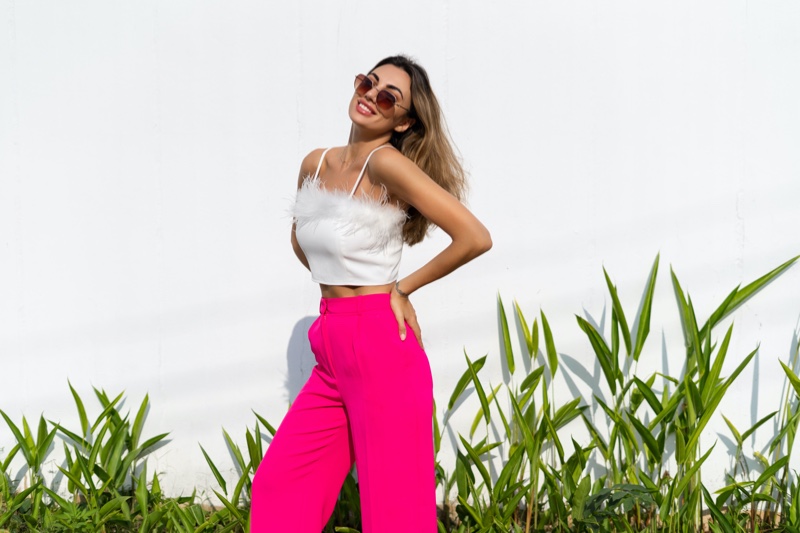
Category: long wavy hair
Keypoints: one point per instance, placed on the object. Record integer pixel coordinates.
(427, 143)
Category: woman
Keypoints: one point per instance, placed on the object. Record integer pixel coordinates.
(369, 398)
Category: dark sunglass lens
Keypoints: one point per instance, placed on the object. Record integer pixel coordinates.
(363, 85)
(385, 100)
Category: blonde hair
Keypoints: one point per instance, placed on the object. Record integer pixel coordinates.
(427, 143)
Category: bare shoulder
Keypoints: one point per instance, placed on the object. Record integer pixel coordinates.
(309, 165)
(389, 165)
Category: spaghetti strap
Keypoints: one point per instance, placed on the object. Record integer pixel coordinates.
(361, 175)
(321, 159)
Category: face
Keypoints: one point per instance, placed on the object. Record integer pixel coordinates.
(366, 109)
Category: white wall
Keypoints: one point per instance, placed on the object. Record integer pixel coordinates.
(148, 152)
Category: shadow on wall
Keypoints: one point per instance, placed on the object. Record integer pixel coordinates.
(299, 358)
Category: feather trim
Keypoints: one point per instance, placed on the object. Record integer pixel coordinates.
(381, 222)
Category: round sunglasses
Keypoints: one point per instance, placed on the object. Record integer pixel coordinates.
(384, 99)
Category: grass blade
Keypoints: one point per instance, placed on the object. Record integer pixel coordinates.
(478, 389)
(552, 354)
(81, 410)
(644, 319)
(745, 293)
(623, 324)
(464, 380)
(509, 351)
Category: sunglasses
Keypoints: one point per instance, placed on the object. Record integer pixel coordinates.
(384, 99)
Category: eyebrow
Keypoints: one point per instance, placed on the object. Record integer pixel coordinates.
(396, 88)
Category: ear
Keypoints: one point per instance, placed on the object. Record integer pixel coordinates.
(404, 124)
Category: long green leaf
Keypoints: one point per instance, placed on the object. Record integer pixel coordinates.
(503, 418)
(27, 450)
(552, 354)
(476, 460)
(528, 437)
(648, 395)
(619, 313)
(647, 437)
(230, 506)
(253, 449)
(711, 406)
(266, 424)
(16, 503)
(596, 437)
(567, 413)
(721, 520)
(215, 471)
(689, 474)
(464, 380)
(504, 331)
(602, 352)
(478, 388)
(510, 471)
(670, 407)
(554, 435)
(138, 422)
(45, 439)
(770, 471)
(744, 294)
(473, 513)
(734, 431)
(794, 381)
(476, 421)
(526, 332)
(532, 379)
(757, 425)
(4, 464)
(535, 337)
(76, 479)
(644, 318)
(81, 410)
(109, 409)
(711, 379)
(244, 479)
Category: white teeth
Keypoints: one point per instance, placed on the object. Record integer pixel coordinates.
(365, 108)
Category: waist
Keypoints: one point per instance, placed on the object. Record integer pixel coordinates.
(350, 291)
(355, 304)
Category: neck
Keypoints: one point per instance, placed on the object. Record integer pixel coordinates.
(359, 146)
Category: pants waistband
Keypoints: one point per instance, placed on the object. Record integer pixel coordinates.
(354, 304)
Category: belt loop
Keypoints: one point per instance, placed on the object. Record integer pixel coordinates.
(323, 306)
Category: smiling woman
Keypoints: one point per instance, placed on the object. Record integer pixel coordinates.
(355, 207)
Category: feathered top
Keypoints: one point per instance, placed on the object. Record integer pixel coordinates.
(348, 239)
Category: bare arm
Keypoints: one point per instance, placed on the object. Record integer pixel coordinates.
(406, 182)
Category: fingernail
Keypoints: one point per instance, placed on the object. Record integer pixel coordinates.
(402, 336)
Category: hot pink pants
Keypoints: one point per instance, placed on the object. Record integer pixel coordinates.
(370, 400)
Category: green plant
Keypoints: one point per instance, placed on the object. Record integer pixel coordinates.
(514, 471)
(35, 450)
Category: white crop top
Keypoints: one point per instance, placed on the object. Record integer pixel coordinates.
(348, 239)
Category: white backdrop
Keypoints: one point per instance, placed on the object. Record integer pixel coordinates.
(149, 151)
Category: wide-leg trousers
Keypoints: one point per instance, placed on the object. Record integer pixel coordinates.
(369, 399)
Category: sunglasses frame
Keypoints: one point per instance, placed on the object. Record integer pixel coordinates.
(383, 94)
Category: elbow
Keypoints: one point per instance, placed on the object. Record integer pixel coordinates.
(483, 242)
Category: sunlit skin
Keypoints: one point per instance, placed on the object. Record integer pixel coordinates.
(406, 185)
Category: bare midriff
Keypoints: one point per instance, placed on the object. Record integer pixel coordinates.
(347, 291)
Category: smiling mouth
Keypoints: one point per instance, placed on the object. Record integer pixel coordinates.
(365, 108)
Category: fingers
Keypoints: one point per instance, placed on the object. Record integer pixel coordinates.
(401, 322)
(417, 331)
(404, 314)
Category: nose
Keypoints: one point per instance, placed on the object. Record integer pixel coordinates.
(373, 92)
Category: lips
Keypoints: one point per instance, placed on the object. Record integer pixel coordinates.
(364, 108)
